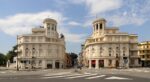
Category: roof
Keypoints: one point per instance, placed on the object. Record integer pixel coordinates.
(49, 20)
(99, 19)
(112, 28)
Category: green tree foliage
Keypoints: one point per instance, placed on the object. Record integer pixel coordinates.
(74, 57)
(11, 54)
(2, 59)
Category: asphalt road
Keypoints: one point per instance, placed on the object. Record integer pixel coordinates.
(73, 77)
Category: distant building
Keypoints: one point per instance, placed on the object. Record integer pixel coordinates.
(110, 48)
(144, 53)
(44, 48)
(68, 60)
(80, 56)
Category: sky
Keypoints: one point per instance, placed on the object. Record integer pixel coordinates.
(74, 18)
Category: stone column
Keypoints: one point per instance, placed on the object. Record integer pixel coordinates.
(37, 63)
(54, 64)
(90, 65)
(44, 64)
(60, 65)
(97, 64)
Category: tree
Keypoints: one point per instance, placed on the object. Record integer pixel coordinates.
(11, 54)
(2, 59)
(74, 57)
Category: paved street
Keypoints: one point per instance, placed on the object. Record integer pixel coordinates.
(75, 76)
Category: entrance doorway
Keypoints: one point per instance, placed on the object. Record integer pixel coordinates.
(117, 63)
(57, 64)
(101, 63)
(93, 63)
(49, 66)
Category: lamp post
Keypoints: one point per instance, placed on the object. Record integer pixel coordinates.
(17, 68)
(17, 63)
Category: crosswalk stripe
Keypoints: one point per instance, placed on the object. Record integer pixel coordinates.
(63, 73)
(95, 77)
(117, 78)
(53, 77)
(59, 76)
(80, 76)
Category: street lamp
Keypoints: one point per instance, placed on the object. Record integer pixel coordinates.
(17, 68)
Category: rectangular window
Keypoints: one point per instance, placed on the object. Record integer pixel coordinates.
(132, 61)
(143, 56)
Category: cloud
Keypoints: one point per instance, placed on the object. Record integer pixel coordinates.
(101, 6)
(24, 22)
(133, 12)
(123, 12)
(125, 20)
(73, 23)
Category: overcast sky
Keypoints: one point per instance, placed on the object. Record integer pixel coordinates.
(74, 18)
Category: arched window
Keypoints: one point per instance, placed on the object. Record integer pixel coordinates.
(101, 26)
(48, 26)
(96, 26)
(52, 28)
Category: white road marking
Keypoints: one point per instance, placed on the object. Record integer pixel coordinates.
(63, 73)
(59, 76)
(117, 78)
(80, 76)
(87, 73)
(146, 71)
(94, 77)
(52, 77)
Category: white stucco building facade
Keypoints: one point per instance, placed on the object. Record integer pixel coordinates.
(42, 49)
(110, 48)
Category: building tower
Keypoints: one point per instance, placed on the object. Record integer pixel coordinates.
(98, 27)
(51, 28)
